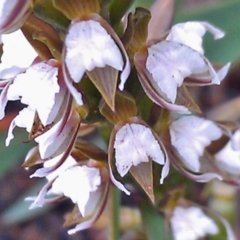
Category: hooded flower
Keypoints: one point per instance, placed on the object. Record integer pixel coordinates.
(92, 44)
(191, 224)
(165, 65)
(135, 144)
(42, 89)
(83, 184)
(190, 135)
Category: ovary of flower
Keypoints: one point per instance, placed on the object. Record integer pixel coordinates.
(36, 88)
(190, 135)
(135, 143)
(88, 45)
(228, 158)
(191, 33)
(191, 224)
(77, 183)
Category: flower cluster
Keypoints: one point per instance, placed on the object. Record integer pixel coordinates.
(92, 72)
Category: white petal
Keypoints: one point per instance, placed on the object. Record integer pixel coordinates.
(191, 33)
(68, 184)
(190, 135)
(18, 54)
(37, 88)
(228, 158)
(88, 45)
(58, 137)
(191, 224)
(13, 13)
(135, 143)
(49, 169)
(169, 63)
(4, 100)
(24, 119)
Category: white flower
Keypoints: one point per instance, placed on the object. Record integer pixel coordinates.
(139, 143)
(36, 88)
(175, 60)
(91, 44)
(134, 144)
(190, 135)
(191, 224)
(228, 158)
(77, 183)
(169, 63)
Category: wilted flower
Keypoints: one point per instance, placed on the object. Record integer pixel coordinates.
(190, 135)
(163, 66)
(191, 223)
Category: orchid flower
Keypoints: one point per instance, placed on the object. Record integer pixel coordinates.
(63, 181)
(191, 223)
(58, 123)
(142, 145)
(92, 44)
(178, 58)
(190, 135)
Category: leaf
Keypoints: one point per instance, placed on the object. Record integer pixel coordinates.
(45, 10)
(19, 211)
(15, 153)
(118, 9)
(153, 222)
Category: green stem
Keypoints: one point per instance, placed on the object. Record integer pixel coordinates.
(113, 213)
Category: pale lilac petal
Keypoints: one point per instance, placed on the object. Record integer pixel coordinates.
(165, 170)
(228, 158)
(89, 45)
(4, 100)
(191, 33)
(24, 119)
(190, 135)
(118, 184)
(42, 85)
(95, 213)
(13, 14)
(66, 182)
(169, 63)
(135, 143)
(52, 140)
(75, 93)
(39, 200)
(194, 225)
(18, 54)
